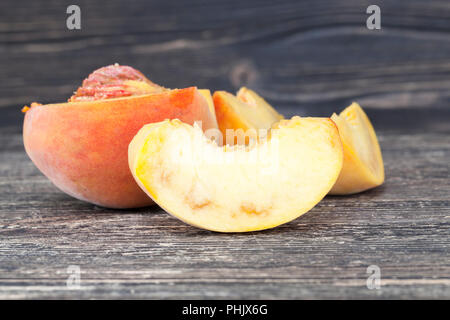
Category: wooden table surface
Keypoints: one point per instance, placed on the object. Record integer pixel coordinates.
(307, 58)
(402, 227)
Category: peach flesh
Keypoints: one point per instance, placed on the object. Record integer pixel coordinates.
(236, 189)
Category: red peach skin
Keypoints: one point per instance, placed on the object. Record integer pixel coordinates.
(82, 147)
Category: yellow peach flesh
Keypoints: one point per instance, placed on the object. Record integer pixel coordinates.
(247, 112)
(237, 189)
(363, 167)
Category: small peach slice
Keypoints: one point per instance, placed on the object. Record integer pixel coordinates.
(363, 167)
(237, 188)
(206, 93)
(266, 114)
(247, 111)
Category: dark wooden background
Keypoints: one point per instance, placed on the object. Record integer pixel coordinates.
(306, 58)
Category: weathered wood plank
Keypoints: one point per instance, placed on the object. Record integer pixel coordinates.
(304, 54)
(403, 227)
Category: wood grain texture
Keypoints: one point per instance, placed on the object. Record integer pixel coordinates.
(305, 57)
(403, 227)
(311, 55)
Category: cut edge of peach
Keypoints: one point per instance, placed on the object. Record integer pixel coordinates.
(251, 97)
(363, 167)
(245, 110)
(227, 112)
(206, 93)
(102, 102)
(135, 148)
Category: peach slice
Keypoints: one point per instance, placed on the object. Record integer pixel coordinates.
(81, 146)
(363, 167)
(363, 164)
(237, 188)
(206, 93)
(246, 111)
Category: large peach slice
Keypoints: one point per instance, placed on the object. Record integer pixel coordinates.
(82, 145)
(247, 111)
(363, 167)
(237, 188)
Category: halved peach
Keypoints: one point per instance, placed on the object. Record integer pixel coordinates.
(247, 112)
(363, 167)
(237, 188)
(82, 146)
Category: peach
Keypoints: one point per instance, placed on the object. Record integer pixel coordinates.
(206, 93)
(81, 146)
(246, 112)
(363, 167)
(237, 188)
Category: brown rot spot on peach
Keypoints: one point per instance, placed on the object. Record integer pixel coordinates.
(195, 205)
(250, 209)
